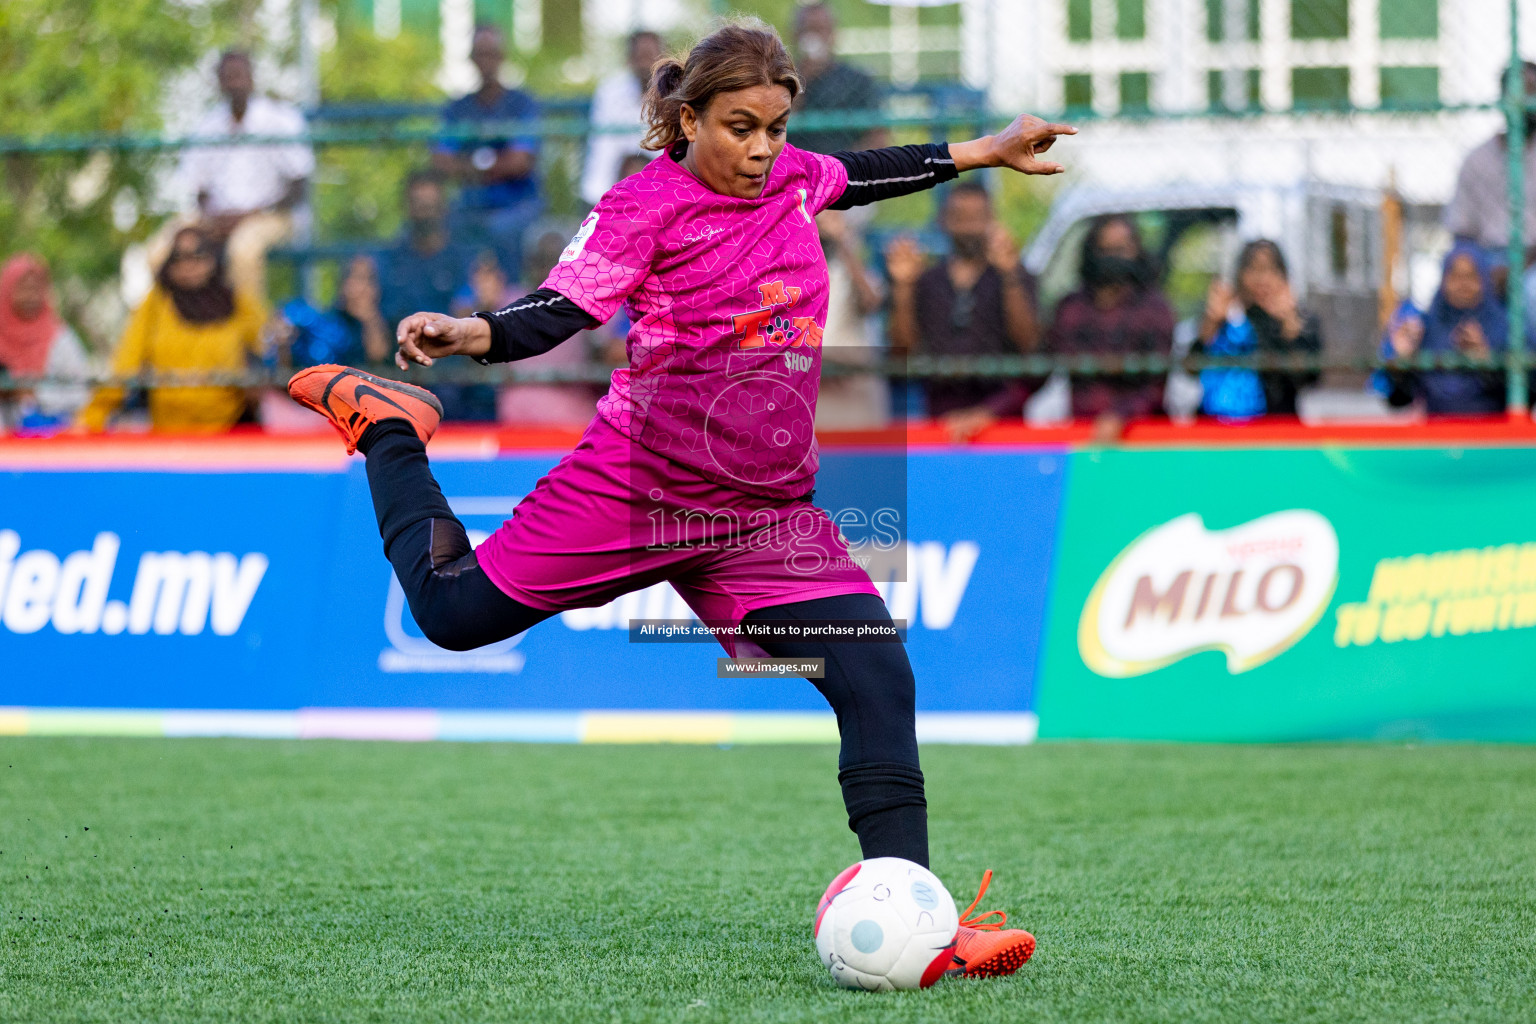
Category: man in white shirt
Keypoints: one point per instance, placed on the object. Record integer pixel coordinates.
(1479, 210)
(246, 193)
(616, 104)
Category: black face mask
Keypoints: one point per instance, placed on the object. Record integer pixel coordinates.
(969, 247)
(1104, 269)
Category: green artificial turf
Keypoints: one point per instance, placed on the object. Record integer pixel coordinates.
(233, 880)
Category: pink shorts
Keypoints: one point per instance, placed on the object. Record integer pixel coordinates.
(613, 517)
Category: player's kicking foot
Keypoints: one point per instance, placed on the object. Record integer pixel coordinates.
(983, 947)
(353, 401)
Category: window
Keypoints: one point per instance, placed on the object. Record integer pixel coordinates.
(1079, 93)
(489, 13)
(1216, 19)
(1135, 92)
(1410, 19)
(1410, 87)
(1321, 19)
(1130, 20)
(1320, 88)
(1216, 89)
(1079, 20)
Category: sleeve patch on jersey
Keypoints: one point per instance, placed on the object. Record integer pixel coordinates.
(578, 244)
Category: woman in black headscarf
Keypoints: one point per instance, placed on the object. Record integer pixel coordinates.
(190, 323)
(1118, 310)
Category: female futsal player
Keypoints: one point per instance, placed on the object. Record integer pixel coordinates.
(699, 466)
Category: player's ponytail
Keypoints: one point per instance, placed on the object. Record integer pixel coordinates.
(738, 56)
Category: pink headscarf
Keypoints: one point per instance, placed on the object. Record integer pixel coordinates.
(24, 344)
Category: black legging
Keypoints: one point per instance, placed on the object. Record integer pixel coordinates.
(869, 685)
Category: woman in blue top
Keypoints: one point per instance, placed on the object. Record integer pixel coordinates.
(1465, 318)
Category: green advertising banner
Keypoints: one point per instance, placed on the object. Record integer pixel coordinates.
(1276, 594)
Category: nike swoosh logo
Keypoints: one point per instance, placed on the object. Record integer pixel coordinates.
(363, 391)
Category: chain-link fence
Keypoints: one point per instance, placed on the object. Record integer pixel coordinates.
(1365, 139)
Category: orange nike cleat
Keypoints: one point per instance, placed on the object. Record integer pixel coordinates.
(983, 947)
(353, 401)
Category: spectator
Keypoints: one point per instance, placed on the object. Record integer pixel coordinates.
(1479, 209)
(852, 401)
(246, 194)
(633, 163)
(977, 302)
(831, 86)
(500, 193)
(1260, 316)
(564, 404)
(1118, 310)
(36, 342)
(1466, 318)
(422, 272)
(426, 265)
(351, 332)
(192, 322)
(616, 104)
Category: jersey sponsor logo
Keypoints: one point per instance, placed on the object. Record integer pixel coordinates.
(1251, 591)
(803, 211)
(173, 591)
(578, 243)
(772, 325)
(699, 234)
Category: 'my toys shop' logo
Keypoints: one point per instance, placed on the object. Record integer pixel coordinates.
(772, 324)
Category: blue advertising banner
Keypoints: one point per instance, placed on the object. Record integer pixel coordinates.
(268, 591)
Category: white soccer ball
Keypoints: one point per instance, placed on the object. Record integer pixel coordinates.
(886, 923)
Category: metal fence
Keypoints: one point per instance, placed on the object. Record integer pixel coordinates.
(1269, 150)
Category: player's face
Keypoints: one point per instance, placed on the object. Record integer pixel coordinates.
(1463, 287)
(967, 219)
(1117, 239)
(1261, 279)
(30, 295)
(643, 54)
(736, 138)
(487, 53)
(235, 80)
(192, 262)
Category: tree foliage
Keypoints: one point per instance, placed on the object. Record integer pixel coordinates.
(85, 67)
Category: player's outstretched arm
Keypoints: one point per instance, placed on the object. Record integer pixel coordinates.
(426, 337)
(877, 174)
(1019, 146)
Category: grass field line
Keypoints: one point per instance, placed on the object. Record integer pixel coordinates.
(605, 726)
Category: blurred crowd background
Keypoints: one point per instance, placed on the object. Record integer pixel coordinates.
(1276, 208)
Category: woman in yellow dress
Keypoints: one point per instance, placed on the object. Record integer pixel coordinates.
(191, 323)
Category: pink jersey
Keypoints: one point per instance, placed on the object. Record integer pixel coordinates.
(728, 298)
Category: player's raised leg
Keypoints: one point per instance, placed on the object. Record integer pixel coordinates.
(452, 600)
(872, 691)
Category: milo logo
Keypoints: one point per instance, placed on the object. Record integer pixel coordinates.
(1251, 591)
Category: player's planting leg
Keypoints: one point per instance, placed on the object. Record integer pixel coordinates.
(872, 691)
(451, 599)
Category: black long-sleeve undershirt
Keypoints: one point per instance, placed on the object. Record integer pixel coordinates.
(876, 174)
(538, 322)
(532, 325)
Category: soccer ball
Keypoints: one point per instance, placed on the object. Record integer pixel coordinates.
(886, 923)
